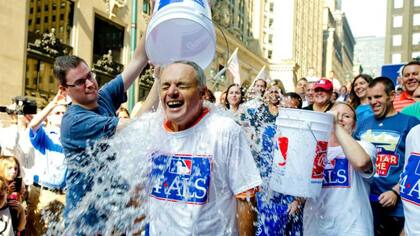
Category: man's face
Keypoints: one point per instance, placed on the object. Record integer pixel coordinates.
(380, 102)
(259, 87)
(410, 78)
(321, 96)
(180, 95)
(56, 115)
(310, 92)
(301, 87)
(81, 86)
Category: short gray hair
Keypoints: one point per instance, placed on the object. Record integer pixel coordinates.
(201, 77)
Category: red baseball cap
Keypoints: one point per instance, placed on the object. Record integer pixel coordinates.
(324, 84)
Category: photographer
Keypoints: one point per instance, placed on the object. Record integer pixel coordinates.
(47, 195)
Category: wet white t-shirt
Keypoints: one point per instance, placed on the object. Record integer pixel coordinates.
(410, 183)
(195, 176)
(343, 206)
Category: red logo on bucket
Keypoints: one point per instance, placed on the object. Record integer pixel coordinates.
(283, 143)
(319, 160)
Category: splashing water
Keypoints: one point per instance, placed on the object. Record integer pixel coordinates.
(119, 170)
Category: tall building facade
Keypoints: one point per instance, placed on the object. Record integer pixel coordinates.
(338, 44)
(291, 38)
(402, 40)
(369, 54)
(99, 32)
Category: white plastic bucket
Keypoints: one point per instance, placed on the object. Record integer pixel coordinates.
(181, 30)
(300, 152)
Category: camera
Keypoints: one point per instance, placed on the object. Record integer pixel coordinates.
(20, 106)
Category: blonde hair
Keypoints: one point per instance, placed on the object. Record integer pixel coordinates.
(7, 161)
(3, 186)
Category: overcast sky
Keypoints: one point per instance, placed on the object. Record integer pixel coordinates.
(366, 17)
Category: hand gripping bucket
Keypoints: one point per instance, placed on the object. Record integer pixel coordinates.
(300, 152)
(181, 30)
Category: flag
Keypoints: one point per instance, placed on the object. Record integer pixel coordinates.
(261, 75)
(233, 67)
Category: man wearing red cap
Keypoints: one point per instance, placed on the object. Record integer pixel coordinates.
(323, 91)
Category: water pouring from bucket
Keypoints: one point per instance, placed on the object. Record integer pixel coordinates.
(181, 30)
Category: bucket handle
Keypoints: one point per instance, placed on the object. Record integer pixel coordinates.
(310, 130)
(223, 34)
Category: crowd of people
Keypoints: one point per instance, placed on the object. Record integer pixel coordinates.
(371, 183)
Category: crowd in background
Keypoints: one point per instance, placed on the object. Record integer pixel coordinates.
(33, 168)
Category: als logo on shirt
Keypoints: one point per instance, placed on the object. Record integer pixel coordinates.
(386, 143)
(181, 178)
(410, 180)
(337, 173)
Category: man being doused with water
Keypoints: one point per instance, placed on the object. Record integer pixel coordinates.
(203, 177)
(90, 117)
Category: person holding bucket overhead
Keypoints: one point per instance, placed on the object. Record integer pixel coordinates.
(342, 208)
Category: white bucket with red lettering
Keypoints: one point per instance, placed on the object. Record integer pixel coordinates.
(300, 151)
(181, 30)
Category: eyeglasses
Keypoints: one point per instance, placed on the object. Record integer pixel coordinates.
(81, 82)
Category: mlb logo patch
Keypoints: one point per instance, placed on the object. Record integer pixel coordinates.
(181, 178)
(180, 166)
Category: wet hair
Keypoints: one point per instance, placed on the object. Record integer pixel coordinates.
(293, 95)
(201, 77)
(63, 64)
(409, 64)
(355, 100)
(387, 82)
(227, 94)
(6, 161)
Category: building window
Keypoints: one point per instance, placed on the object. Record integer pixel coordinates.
(270, 38)
(146, 7)
(271, 6)
(417, 3)
(398, 4)
(396, 58)
(416, 38)
(397, 21)
(416, 19)
(269, 54)
(396, 40)
(415, 55)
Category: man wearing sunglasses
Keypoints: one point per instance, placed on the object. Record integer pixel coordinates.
(91, 117)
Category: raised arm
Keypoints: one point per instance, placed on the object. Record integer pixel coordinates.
(355, 153)
(136, 66)
(37, 120)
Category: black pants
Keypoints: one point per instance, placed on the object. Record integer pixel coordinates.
(384, 224)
